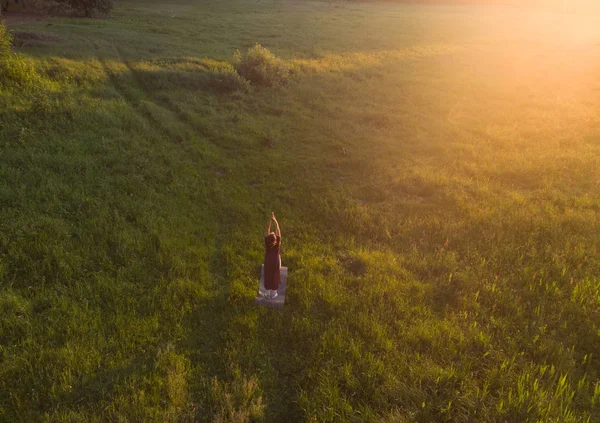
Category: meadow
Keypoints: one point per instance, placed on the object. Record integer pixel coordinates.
(436, 174)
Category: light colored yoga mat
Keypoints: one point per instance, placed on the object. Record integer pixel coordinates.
(280, 300)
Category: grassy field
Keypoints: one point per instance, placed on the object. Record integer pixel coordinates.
(435, 170)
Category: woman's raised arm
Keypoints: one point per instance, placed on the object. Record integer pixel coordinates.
(277, 231)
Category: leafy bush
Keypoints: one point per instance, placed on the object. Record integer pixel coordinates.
(15, 70)
(225, 79)
(261, 67)
(5, 40)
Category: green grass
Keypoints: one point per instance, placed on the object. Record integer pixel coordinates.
(435, 170)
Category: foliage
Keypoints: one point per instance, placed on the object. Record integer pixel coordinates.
(44, 7)
(5, 40)
(18, 72)
(15, 69)
(226, 79)
(261, 67)
(90, 7)
(54, 7)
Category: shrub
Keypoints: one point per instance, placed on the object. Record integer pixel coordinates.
(225, 79)
(5, 40)
(15, 70)
(261, 67)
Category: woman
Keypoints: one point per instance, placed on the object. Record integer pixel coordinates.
(272, 259)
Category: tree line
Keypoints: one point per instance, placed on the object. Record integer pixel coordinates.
(87, 8)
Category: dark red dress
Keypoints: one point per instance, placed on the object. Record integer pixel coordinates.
(272, 263)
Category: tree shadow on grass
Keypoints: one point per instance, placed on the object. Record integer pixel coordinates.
(107, 382)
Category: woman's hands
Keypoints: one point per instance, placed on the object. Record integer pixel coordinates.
(277, 231)
(271, 220)
(268, 228)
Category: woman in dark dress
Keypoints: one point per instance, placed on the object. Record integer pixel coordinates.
(272, 259)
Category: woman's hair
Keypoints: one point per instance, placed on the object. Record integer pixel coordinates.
(271, 240)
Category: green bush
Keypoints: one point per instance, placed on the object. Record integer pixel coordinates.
(261, 67)
(5, 40)
(225, 79)
(18, 72)
(15, 70)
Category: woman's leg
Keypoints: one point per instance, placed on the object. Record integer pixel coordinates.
(277, 278)
(266, 268)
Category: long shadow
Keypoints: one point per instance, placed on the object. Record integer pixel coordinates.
(134, 95)
(199, 79)
(205, 343)
(287, 355)
(104, 382)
